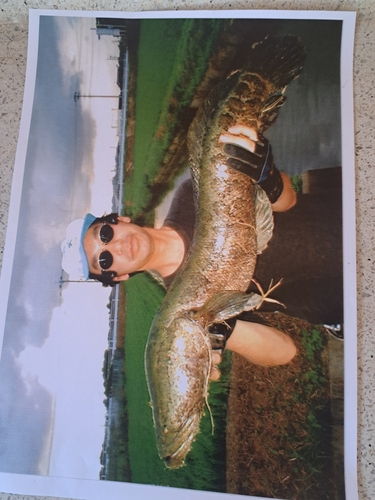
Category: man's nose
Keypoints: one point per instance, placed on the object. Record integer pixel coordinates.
(115, 246)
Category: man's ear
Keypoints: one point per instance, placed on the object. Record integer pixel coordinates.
(123, 277)
(123, 219)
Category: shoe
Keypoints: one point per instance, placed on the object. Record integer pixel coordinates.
(336, 331)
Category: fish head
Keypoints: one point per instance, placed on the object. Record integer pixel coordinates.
(176, 458)
(178, 375)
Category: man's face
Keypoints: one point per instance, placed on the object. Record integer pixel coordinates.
(130, 248)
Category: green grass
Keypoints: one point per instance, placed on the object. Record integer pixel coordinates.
(297, 183)
(156, 56)
(318, 420)
(172, 59)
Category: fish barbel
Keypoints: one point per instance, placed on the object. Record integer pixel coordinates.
(230, 211)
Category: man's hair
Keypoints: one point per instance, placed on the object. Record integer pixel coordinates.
(106, 278)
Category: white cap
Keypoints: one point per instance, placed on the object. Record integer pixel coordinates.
(74, 260)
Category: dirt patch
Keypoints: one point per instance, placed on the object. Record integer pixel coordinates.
(279, 431)
(131, 45)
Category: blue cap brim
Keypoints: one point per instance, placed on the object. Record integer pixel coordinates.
(87, 221)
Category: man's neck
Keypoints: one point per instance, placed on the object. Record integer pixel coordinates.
(168, 252)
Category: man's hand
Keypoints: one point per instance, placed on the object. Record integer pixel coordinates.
(215, 372)
(248, 152)
(251, 154)
(245, 137)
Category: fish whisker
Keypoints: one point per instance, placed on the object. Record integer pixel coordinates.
(265, 295)
(208, 345)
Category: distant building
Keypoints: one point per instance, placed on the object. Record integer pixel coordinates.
(110, 26)
(107, 31)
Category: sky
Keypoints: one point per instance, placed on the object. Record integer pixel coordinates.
(51, 396)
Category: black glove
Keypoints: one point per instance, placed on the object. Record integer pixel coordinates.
(258, 165)
(219, 333)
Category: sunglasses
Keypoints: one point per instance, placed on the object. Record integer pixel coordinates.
(105, 258)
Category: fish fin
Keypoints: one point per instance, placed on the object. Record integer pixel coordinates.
(277, 59)
(231, 303)
(157, 277)
(265, 295)
(225, 305)
(263, 218)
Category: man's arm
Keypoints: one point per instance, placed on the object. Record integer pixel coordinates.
(260, 344)
(288, 197)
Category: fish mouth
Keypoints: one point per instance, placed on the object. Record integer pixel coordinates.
(177, 459)
(190, 428)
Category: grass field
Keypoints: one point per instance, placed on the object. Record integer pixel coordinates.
(172, 59)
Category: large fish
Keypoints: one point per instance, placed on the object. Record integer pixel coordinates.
(218, 270)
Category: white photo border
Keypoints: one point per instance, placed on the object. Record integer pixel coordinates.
(96, 489)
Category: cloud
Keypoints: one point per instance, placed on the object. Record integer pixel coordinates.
(33, 294)
(26, 414)
(58, 177)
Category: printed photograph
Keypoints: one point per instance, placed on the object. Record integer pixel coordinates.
(175, 311)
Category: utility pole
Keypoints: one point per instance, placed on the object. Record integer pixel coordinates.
(77, 96)
(61, 281)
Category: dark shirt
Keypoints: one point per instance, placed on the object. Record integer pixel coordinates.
(305, 250)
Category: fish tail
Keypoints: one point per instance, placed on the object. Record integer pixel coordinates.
(251, 95)
(275, 62)
(277, 59)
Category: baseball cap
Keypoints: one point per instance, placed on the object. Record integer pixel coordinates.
(74, 260)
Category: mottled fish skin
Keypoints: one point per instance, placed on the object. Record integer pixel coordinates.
(224, 249)
(184, 349)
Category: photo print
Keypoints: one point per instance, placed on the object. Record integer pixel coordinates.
(196, 165)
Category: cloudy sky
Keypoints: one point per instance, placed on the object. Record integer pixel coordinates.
(51, 392)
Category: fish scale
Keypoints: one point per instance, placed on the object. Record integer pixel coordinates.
(232, 216)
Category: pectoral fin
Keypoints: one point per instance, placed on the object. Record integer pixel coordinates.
(264, 219)
(227, 304)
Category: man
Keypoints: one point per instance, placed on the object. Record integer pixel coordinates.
(112, 248)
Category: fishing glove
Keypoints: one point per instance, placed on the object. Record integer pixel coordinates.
(219, 333)
(258, 165)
